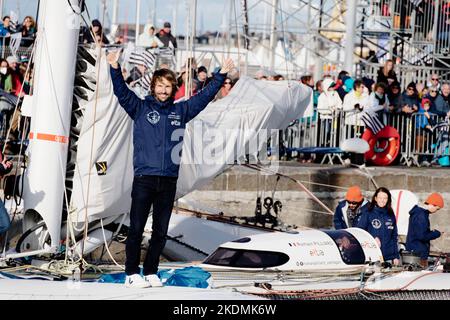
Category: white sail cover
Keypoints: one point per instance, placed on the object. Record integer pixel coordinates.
(237, 125)
(110, 174)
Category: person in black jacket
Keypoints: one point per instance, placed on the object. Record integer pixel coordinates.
(97, 31)
(419, 233)
(166, 36)
(156, 120)
(409, 100)
(386, 74)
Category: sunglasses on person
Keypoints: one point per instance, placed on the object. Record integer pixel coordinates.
(227, 82)
(410, 89)
(435, 79)
(433, 91)
(353, 202)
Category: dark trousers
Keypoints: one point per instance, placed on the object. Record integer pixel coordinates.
(148, 191)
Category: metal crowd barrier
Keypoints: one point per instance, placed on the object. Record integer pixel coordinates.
(417, 142)
(429, 139)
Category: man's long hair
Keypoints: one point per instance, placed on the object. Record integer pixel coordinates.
(167, 74)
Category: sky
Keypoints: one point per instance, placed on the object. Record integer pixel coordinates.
(212, 15)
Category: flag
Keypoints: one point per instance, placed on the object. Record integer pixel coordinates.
(14, 43)
(372, 122)
(145, 58)
(145, 81)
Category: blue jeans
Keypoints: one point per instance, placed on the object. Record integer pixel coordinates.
(5, 223)
(148, 191)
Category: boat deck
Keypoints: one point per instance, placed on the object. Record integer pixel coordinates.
(13, 289)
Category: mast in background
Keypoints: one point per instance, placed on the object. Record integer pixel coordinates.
(273, 34)
(114, 18)
(138, 22)
(246, 28)
(350, 35)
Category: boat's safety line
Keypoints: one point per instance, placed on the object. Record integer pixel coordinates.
(302, 186)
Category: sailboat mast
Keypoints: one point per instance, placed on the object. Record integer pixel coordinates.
(138, 22)
(55, 60)
(114, 22)
(350, 34)
(246, 29)
(273, 34)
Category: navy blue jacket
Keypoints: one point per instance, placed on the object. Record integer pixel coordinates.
(155, 121)
(382, 225)
(419, 233)
(440, 106)
(341, 209)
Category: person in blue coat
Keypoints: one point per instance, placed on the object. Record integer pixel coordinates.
(378, 219)
(348, 211)
(419, 233)
(156, 160)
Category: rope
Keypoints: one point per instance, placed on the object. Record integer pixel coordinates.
(92, 145)
(302, 186)
(363, 168)
(107, 246)
(405, 286)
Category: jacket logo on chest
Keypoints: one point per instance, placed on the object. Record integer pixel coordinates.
(153, 117)
(376, 223)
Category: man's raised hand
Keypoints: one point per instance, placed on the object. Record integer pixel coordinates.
(227, 66)
(113, 58)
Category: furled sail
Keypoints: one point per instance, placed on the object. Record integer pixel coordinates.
(237, 125)
(102, 166)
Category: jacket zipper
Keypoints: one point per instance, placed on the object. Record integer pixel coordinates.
(163, 147)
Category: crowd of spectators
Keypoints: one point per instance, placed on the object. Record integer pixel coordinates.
(27, 29)
(381, 95)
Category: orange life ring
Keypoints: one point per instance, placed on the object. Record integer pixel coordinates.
(383, 146)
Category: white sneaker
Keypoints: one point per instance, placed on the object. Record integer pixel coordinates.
(153, 280)
(136, 281)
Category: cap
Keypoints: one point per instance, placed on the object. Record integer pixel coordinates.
(354, 194)
(435, 199)
(167, 25)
